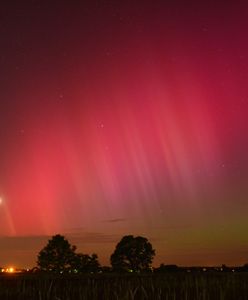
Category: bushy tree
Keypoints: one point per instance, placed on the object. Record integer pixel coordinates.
(132, 254)
(85, 263)
(57, 256)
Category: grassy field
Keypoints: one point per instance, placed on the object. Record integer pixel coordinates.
(170, 286)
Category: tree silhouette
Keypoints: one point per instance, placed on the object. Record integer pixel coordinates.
(132, 254)
(57, 256)
(84, 263)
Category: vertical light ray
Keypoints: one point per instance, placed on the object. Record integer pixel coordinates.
(7, 220)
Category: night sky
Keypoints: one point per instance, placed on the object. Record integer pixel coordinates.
(124, 117)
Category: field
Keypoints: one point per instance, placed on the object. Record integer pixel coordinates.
(169, 286)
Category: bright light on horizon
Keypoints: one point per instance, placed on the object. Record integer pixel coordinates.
(9, 270)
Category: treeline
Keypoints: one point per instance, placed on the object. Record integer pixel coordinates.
(132, 254)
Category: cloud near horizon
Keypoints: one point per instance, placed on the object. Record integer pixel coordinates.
(115, 220)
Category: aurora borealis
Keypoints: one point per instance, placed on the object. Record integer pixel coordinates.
(124, 117)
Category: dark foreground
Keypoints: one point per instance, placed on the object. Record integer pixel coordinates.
(170, 286)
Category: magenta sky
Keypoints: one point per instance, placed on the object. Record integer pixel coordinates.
(124, 119)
